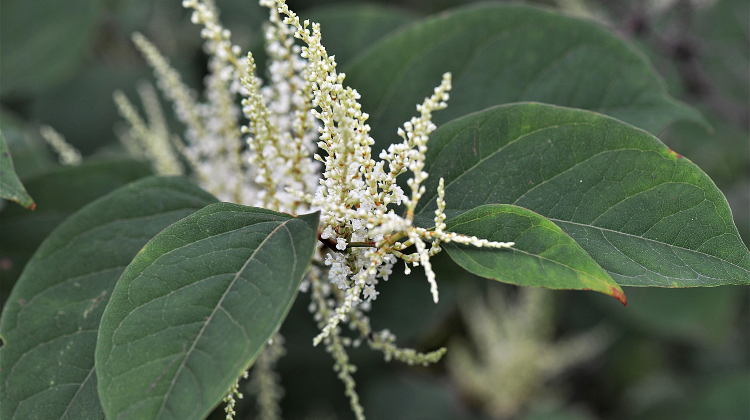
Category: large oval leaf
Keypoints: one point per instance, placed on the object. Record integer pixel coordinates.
(509, 53)
(195, 308)
(50, 323)
(59, 192)
(543, 255)
(647, 215)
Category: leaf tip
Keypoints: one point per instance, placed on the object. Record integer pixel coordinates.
(32, 206)
(618, 294)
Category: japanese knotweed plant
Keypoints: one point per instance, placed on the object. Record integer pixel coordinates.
(151, 302)
(304, 106)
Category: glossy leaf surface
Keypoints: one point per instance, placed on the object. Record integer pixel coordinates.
(542, 256)
(195, 308)
(509, 53)
(50, 322)
(647, 215)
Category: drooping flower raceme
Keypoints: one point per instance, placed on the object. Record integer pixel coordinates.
(270, 161)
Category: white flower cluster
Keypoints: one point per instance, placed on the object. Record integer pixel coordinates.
(249, 164)
(233, 395)
(282, 129)
(212, 144)
(365, 235)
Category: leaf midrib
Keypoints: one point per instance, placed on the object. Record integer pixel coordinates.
(688, 250)
(186, 244)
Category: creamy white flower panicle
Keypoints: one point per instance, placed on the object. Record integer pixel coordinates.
(282, 129)
(170, 83)
(265, 382)
(211, 144)
(220, 148)
(233, 395)
(288, 97)
(355, 190)
(281, 132)
(511, 345)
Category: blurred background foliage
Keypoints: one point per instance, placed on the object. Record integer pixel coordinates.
(671, 354)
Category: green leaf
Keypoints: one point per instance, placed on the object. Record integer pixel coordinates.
(346, 40)
(196, 306)
(49, 325)
(10, 186)
(542, 256)
(647, 215)
(44, 41)
(501, 53)
(59, 193)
